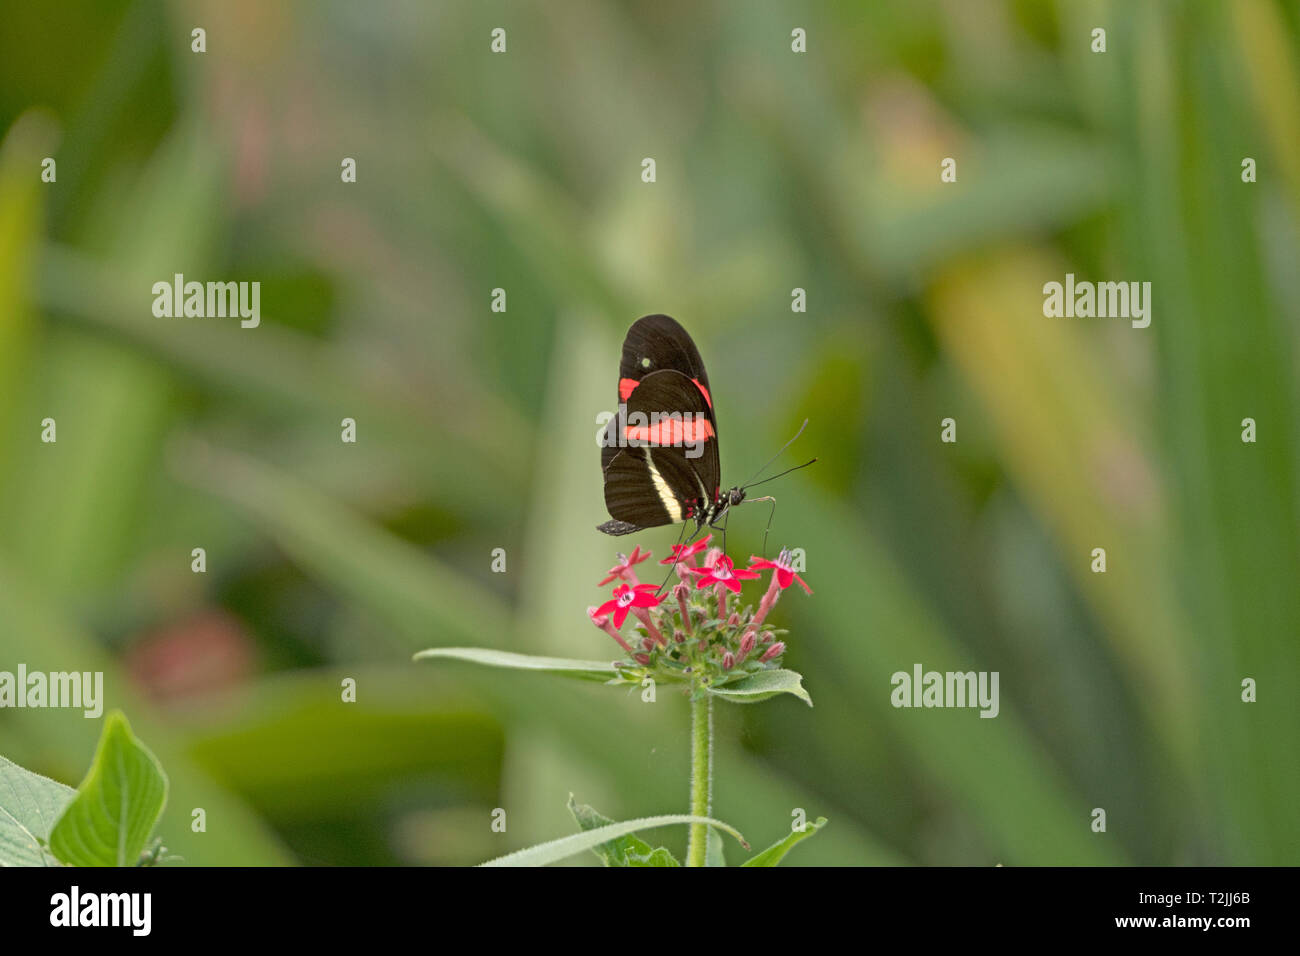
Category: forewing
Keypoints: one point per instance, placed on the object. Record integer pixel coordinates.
(657, 343)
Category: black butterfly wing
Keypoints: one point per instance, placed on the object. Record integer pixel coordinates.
(668, 469)
(690, 434)
(654, 343)
(643, 488)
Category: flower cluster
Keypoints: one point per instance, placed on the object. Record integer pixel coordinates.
(695, 631)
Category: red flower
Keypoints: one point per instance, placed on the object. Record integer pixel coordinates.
(624, 567)
(682, 552)
(725, 573)
(626, 598)
(785, 575)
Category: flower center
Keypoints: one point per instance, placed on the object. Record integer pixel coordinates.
(625, 599)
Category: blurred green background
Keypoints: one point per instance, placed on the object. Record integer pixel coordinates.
(476, 429)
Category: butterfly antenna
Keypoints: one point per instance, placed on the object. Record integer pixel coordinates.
(778, 454)
(781, 474)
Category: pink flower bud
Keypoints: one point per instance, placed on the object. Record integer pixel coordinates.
(770, 598)
(728, 661)
(641, 658)
(603, 622)
(643, 616)
(682, 591)
(747, 643)
(776, 650)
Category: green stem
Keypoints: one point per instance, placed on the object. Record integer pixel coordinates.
(701, 776)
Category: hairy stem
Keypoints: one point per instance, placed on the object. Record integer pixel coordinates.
(701, 776)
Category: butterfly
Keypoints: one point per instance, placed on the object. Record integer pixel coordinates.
(659, 453)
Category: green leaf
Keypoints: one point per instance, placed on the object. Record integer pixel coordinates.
(772, 855)
(29, 805)
(628, 850)
(615, 852)
(565, 847)
(763, 686)
(659, 857)
(566, 667)
(109, 820)
(713, 850)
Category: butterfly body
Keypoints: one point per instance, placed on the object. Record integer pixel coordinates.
(659, 453)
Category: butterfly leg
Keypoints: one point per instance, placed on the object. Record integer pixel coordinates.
(770, 515)
(673, 567)
(726, 516)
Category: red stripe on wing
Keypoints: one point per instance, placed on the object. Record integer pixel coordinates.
(672, 431)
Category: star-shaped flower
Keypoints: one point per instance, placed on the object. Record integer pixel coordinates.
(684, 552)
(624, 567)
(725, 573)
(783, 566)
(626, 598)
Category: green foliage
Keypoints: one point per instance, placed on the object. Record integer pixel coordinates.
(110, 819)
(107, 821)
(565, 847)
(763, 686)
(629, 850)
(774, 854)
(751, 689)
(715, 852)
(29, 806)
(585, 670)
